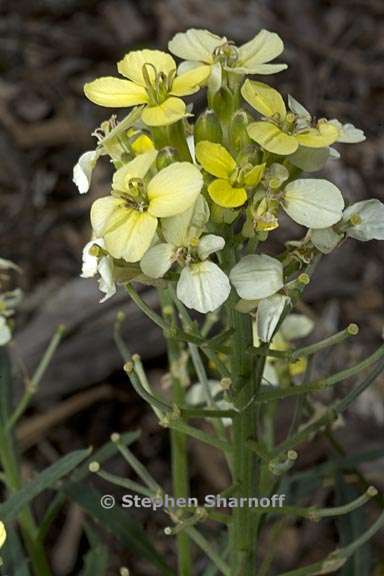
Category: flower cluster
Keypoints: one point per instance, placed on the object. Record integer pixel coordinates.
(183, 193)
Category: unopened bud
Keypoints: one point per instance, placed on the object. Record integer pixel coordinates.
(208, 127)
(166, 156)
(238, 129)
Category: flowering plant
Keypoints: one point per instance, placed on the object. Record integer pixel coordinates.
(193, 202)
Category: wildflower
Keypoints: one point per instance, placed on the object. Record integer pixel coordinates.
(369, 220)
(228, 189)
(96, 260)
(109, 141)
(128, 219)
(202, 285)
(151, 80)
(313, 202)
(282, 132)
(348, 133)
(198, 47)
(257, 276)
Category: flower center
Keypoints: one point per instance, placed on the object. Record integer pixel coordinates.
(158, 84)
(227, 54)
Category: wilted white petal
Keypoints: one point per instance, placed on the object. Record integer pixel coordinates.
(257, 276)
(325, 239)
(157, 260)
(90, 261)
(296, 326)
(214, 80)
(309, 159)
(5, 333)
(209, 244)
(314, 203)
(180, 229)
(197, 393)
(268, 314)
(270, 376)
(106, 281)
(298, 108)
(8, 265)
(191, 147)
(203, 287)
(82, 171)
(371, 226)
(348, 133)
(278, 172)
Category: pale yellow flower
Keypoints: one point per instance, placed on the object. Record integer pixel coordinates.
(128, 220)
(150, 79)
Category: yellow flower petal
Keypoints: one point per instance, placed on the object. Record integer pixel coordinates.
(266, 100)
(190, 81)
(255, 175)
(3, 534)
(272, 138)
(174, 189)
(264, 47)
(142, 144)
(170, 111)
(136, 168)
(225, 195)
(132, 64)
(195, 45)
(101, 212)
(324, 135)
(115, 92)
(215, 159)
(129, 234)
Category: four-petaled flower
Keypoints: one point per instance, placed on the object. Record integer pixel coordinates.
(150, 79)
(229, 187)
(128, 219)
(282, 132)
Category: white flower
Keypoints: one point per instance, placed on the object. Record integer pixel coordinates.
(268, 314)
(5, 333)
(310, 159)
(313, 202)
(325, 239)
(82, 171)
(371, 213)
(296, 326)
(203, 286)
(348, 134)
(94, 262)
(197, 395)
(257, 276)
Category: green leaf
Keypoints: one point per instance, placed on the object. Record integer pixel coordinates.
(10, 509)
(96, 559)
(117, 521)
(350, 528)
(13, 555)
(101, 456)
(5, 386)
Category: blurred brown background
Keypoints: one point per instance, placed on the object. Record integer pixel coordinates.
(48, 49)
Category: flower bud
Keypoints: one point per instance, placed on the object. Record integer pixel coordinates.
(238, 129)
(166, 156)
(208, 127)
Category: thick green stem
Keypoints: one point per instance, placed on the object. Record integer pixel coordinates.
(27, 524)
(180, 477)
(246, 376)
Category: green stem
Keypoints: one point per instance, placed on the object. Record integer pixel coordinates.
(33, 384)
(180, 476)
(209, 550)
(27, 524)
(351, 330)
